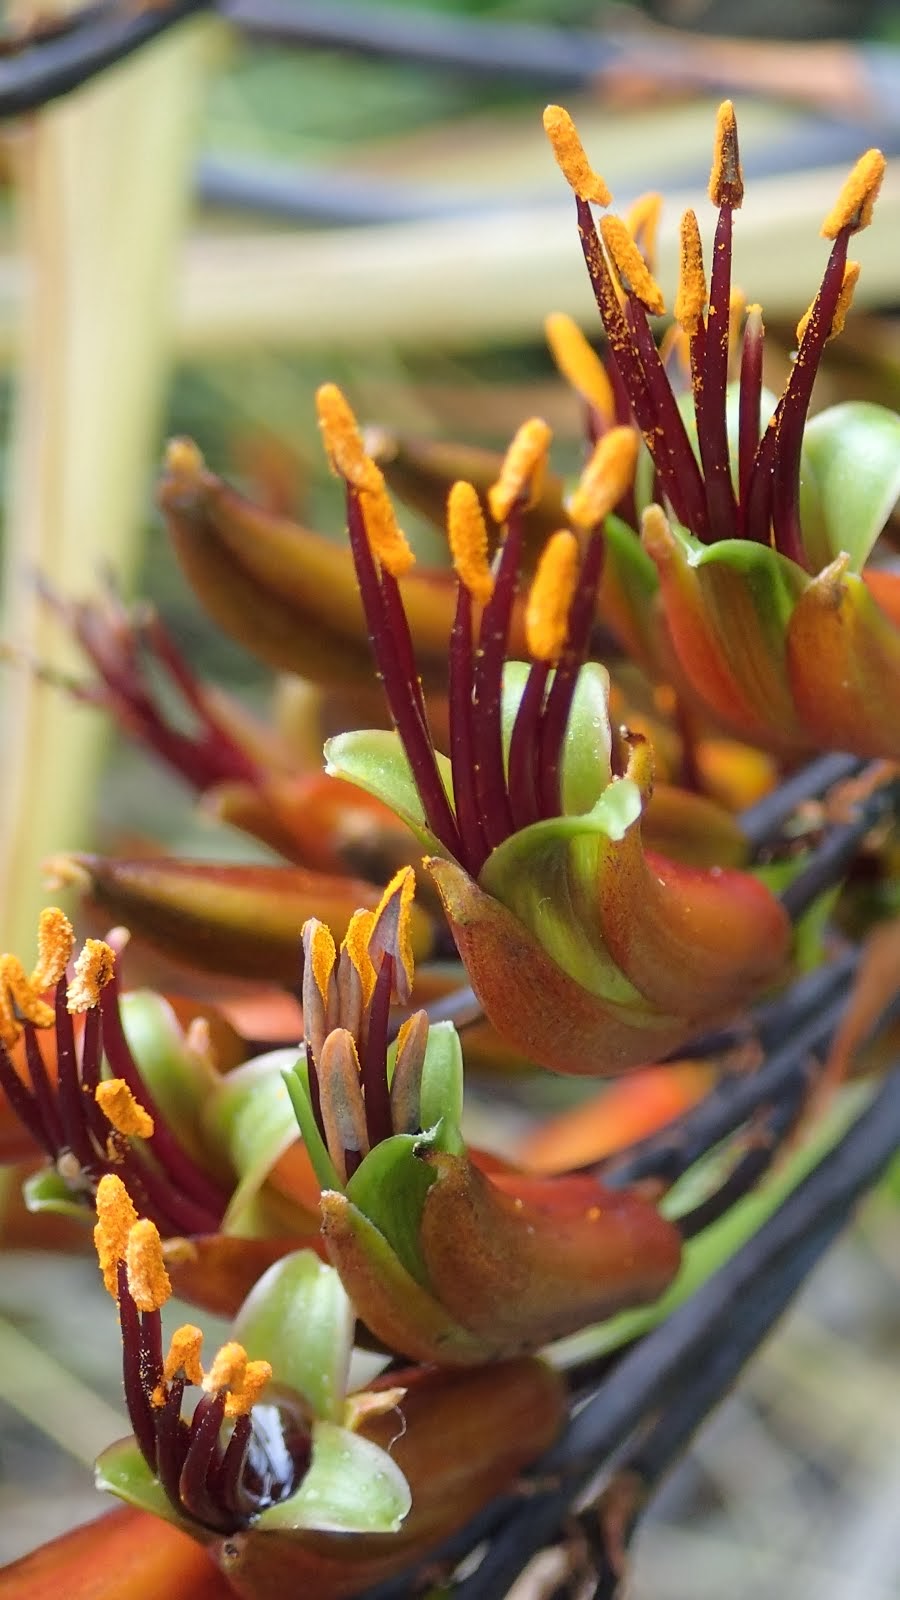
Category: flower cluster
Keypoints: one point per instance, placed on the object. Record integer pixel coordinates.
(593, 902)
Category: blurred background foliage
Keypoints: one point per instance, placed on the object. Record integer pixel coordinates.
(399, 227)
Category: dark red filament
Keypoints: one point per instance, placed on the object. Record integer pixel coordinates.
(766, 505)
(494, 795)
(216, 1482)
(66, 1121)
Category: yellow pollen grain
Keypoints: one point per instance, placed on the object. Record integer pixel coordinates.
(356, 944)
(467, 535)
(19, 1002)
(631, 268)
(854, 205)
(148, 1280)
(387, 541)
(522, 473)
(692, 291)
(56, 940)
(93, 970)
(403, 881)
(347, 455)
(571, 158)
(184, 1355)
(227, 1370)
(844, 302)
(642, 222)
(547, 610)
(119, 1107)
(322, 954)
(243, 1398)
(579, 363)
(116, 1217)
(183, 459)
(608, 475)
(726, 180)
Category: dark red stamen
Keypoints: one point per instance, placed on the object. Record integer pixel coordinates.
(524, 748)
(462, 738)
(749, 416)
(70, 1098)
(202, 1462)
(670, 447)
(684, 489)
(216, 757)
(228, 1487)
(401, 688)
(25, 1106)
(376, 1093)
(490, 656)
(795, 405)
(172, 1438)
(45, 1100)
(137, 1398)
(559, 698)
(778, 456)
(712, 428)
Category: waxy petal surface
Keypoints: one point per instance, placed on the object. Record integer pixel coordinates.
(844, 665)
(522, 1261)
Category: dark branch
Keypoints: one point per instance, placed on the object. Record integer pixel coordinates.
(101, 37)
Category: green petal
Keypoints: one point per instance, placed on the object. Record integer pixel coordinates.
(121, 1470)
(352, 1486)
(296, 1082)
(851, 480)
(389, 1188)
(374, 759)
(546, 875)
(298, 1318)
(251, 1119)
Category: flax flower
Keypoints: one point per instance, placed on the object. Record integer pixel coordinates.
(763, 527)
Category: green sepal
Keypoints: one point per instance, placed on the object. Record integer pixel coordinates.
(352, 1486)
(546, 875)
(850, 481)
(251, 1120)
(296, 1080)
(389, 1188)
(374, 759)
(628, 568)
(299, 1319)
(121, 1470)
(45, 1190)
